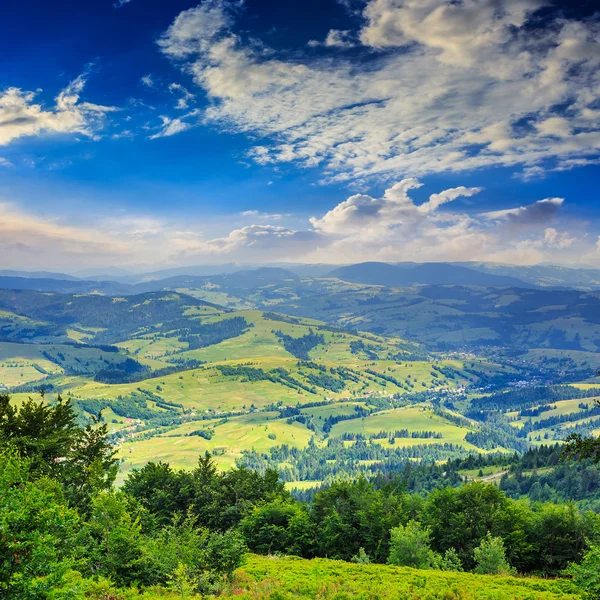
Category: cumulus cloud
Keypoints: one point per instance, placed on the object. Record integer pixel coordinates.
(391, 227)
(20, 116)
(460, 31)
(363, 213)
(449, 86)
(194, 29)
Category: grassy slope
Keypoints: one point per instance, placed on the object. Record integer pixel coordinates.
(206, 389)
(282, 578)
(413, 418)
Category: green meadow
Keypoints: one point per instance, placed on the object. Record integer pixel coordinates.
(294, 578)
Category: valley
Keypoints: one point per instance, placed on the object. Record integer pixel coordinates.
(293, 372)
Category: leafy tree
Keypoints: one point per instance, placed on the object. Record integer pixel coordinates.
(490, 557)
(348, 516)
(558, 536)
(81, 459)
(219, 501)
(279, 526)
(164, 492)
(410, 546)
(183, 555)
(461, 518)
(114, 540)
(587, 574)
(37, 532)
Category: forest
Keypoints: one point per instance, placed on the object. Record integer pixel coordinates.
(67, 532)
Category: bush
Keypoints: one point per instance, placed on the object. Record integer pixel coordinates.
(490, 557)
(587, 574)
(449, 561)
(362, 558)
(410, 546)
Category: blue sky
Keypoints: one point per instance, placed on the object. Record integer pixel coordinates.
(153, 133)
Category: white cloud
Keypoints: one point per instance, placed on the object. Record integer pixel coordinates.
(194, 29)
(362, 213)
(21, 117)
(121, 3)
(258, 242)
(336, 38)
(460, 31)
(173, 126)
(148, 80)
(448, 87)
(387, 227)
(257, 214)
(557, 239)
(185, 97)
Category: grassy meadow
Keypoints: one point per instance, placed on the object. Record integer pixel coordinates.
(282, 578)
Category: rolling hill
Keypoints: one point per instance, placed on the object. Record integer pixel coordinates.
(408, 274)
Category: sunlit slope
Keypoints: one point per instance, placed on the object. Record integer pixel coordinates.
(322, 578)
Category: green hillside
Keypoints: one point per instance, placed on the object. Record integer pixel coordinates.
(289, 577)
(175, 376)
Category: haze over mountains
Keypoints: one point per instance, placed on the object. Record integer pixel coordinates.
(404, 274)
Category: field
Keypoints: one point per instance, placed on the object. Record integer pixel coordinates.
(231, 437)
(282, 578)
(413, 418)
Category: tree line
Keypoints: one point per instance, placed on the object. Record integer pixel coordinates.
(65, 529)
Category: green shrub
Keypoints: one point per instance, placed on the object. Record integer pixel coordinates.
(587, 574)
(490, 557)
(410, 546)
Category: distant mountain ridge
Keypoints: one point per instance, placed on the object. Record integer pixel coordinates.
(379, 273)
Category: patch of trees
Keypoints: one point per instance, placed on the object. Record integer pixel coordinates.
(536, 412)
(209, 334)
(67, 533)
(300, 346)
(530, 426)
(122, 372)
(134, 406)
(475, 527)
(117, 375)
(491, 438)
(399, 433)
(359, 413)
(457, 420)
(326, 381)
(531, 396)
(386, 377)
(207, 434)
(271, 316)
(358, 346)
(338, 459)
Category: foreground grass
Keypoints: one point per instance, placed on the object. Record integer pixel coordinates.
(282, 578)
